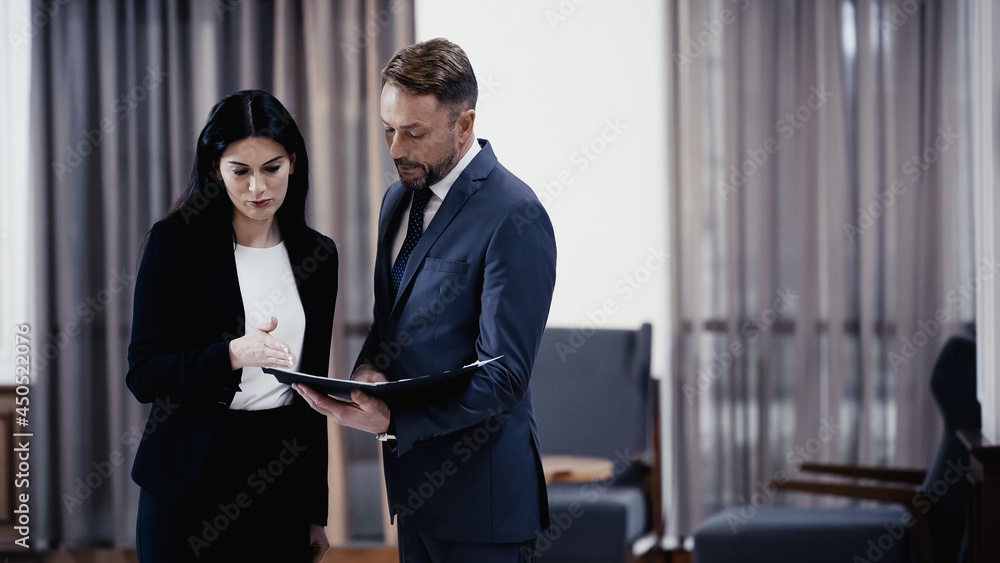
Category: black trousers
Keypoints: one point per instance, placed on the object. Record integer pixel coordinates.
(247, 505)
(417, 547)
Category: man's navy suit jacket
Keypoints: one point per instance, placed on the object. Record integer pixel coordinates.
(478, 284)
(187, 308)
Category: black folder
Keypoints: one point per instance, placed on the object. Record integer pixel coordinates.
(387, 391)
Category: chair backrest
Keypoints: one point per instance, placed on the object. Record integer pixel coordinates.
(590, 391)
(953, 384)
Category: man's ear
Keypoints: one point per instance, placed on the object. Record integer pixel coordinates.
(291, 164)
(465, 123)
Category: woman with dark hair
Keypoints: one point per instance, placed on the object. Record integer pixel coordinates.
(232, 464)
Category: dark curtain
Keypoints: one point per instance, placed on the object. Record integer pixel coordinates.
(822, 229)
(120, 91)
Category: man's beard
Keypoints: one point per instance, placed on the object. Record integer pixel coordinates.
(432, 173)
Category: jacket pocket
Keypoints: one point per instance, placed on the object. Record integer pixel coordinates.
(449, 266)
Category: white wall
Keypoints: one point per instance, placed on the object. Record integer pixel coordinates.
(986, 170)
(572, 96)
(15, 245)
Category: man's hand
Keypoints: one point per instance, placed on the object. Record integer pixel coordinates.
(366, 413)
(319, 542)
(368, 374)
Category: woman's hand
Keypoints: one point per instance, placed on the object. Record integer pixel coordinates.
(258, 348)
(320, 544)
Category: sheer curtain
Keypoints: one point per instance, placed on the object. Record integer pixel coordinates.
(822, 234)
(120, 91)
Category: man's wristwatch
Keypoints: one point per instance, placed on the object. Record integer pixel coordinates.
(385, 437)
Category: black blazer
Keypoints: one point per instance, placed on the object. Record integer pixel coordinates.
(187, 308)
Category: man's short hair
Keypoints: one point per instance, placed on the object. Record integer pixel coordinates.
(437, 67)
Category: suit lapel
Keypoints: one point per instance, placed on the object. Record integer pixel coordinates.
(463, 188)
(299, 247)
(396, 200)
(219, 268)
(453, 202)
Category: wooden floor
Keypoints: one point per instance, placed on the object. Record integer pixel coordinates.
(336, 555)
(362, 555)
(74, 556)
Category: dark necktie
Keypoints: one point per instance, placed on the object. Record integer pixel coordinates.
(414, 229)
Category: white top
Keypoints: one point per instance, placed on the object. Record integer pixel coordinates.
(438, 192)
(268, 289)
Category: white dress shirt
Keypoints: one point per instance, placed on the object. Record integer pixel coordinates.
(268, 290)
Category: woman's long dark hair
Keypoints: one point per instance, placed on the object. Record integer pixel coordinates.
(243, 114)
